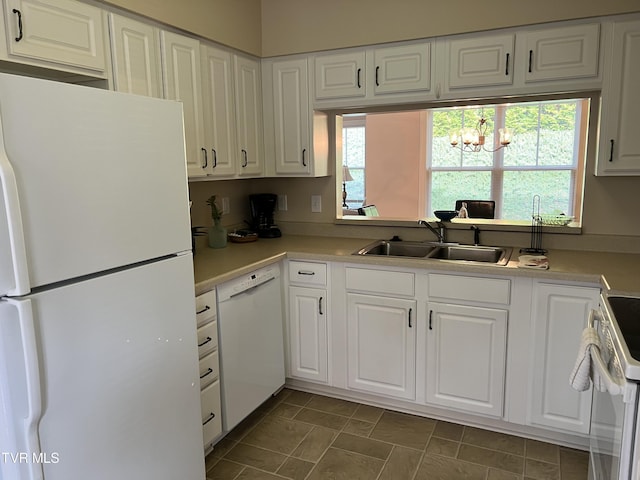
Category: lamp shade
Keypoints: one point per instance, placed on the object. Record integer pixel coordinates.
(346, 174)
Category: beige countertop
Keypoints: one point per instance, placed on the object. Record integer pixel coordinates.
(617, 272)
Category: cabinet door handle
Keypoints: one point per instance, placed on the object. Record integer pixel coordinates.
(377, 71)
(358, 78)
(410, 311)
(209, 339)
(206, 307)
(306, 272)
(506, 70)
(320, 306)
(214, 154)
(211, 417)
(19, 14)
(206, 160)
(207, 373)
(611, 152)
(430, 319)
(245, 158)
(530, 60)
(304, 159)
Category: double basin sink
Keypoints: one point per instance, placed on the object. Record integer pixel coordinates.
(438, 251)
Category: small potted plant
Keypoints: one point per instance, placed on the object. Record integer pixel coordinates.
(217, 233)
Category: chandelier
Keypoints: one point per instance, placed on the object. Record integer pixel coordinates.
(473, 139)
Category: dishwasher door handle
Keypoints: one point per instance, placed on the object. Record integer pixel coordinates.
(252, 288)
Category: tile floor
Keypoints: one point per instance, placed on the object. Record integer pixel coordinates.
(298, 436)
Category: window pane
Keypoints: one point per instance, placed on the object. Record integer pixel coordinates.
(447, 187)
(472, 122)
(353, 146)
(522, 122)
(445, 122)
(519, 188)
(355, 189)
(557, 134)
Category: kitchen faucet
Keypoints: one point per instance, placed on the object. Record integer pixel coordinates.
(441, 233)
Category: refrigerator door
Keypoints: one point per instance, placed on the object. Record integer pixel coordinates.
(99, 379)
(89, 180)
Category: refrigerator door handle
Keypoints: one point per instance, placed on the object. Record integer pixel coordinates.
(12, 234)
(27, 441)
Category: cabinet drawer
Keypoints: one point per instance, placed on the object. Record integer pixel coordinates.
(380, 281)
(211, 412)
(209, 369)
(205, 307)
(474, 289)
(207, 338)
(308, 273)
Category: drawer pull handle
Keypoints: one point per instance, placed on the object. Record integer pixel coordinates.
(611, 152)
(208, 372)
(410, 311)
(304, 159)
(207, 307)
(209, 339)
(245, 158)
(206, 159)
(215, 157)
(19, 13)
(358, 78)
(320, 306)
(306, 272)
(377, 72)
(211, 417)
(430, 319)
(506, 70)
(530, 60)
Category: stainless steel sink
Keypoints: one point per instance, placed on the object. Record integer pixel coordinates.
(397, 249)
(435, 251)
(472, 253)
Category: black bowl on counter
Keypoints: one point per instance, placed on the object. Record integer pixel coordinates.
(445, 215)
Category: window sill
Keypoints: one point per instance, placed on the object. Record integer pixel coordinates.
(573, 228)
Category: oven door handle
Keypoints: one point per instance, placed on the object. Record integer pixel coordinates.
(600, 376)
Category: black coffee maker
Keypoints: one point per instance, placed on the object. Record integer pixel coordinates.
(263, 205)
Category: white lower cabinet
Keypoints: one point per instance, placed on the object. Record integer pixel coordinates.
(559, 316)
(466, 351)
(381, 344)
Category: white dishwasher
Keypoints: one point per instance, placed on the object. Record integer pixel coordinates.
(250, 324)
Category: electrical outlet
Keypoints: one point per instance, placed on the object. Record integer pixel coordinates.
(282, 203)
(316, 203)
(225, 205)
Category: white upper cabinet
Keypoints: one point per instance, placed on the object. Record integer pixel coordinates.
(250, 139)
(135, 52)
(619, 150)
(404, 68)
(480, 60)
(340, 75)
(62, 34)
(181, 66)
(561, 53)
(219, 111)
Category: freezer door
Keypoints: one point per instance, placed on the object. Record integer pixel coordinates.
(89, 180)
(102, 381)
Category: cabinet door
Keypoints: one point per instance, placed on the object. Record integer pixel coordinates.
(291, 116)
(219, 111)
(560, 316)
(61, 31)
(381, 345)
(562, 53)
(340, 75)
(308, 348)
(135, 50)
(481, 61)
(402, 69)
(248, 85)
(619, 150)
(181, 65)
(466, 349)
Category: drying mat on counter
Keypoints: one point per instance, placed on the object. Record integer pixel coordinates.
(242, 236)
(538, 262)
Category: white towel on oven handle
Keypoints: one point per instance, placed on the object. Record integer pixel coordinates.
(584, 371)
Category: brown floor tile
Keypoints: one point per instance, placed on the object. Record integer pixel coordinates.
(402, 464)
(246, 425)
(435, 467)
(364, 446)
(274, 400)
(368, 413)
(323, 419)
(285, 410)
(450, 431)
(359, 427)
(494, 440)
(277, 434)
(541, 470)
(224, 470)
(406, 430)
(338, 464)
(545, 452)
(315, 444)
(298, 398)
(251, 474)
(222, 447)
(332, 405)
(495, 474)
(574, 464)
(256, 457)
(442, 446)
(491, 458)
(295, 468)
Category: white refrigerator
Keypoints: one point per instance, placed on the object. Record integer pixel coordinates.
(98, 357)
